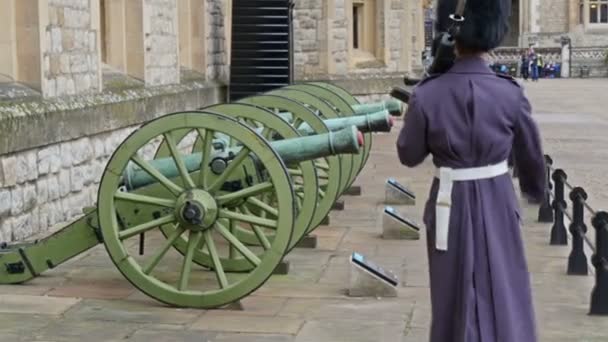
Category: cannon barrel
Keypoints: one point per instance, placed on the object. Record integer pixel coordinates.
(347, 140)
(376, 122)
(392, 106)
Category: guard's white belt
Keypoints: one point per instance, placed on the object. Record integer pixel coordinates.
(447, 176)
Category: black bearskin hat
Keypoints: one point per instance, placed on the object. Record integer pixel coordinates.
(486, 22)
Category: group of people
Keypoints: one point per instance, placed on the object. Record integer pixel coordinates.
(532, 65)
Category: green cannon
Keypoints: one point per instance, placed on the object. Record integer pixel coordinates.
(191, 208)
(230, 189)
(380, 121)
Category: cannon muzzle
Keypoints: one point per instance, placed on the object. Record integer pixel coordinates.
(376, 122)
(345, 141)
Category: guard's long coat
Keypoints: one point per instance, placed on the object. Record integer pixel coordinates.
(470, 117)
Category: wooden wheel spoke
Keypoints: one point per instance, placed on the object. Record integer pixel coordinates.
(161, 253)
(252, 219)
(266, 133)
(297, 122)
(174, 188)
(215, 260)
(322, 165)
(247, 192)
(262, 205)
(246, 252)
(193, 240)
(144, 227)
(295, 172)
(143, 199)
(259, 233)
(321, 193)
(322, 175)
(207, 137)
(229, 169)
(179, 161)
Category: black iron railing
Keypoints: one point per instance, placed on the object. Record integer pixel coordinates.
(555, 209)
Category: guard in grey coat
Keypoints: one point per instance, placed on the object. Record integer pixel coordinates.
(470, 120)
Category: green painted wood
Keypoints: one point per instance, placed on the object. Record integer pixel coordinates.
(50, 252)
(328, 168)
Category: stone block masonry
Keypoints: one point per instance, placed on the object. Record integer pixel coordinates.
(46, 186)
(161, 42)
(217, 59)
(71, 62)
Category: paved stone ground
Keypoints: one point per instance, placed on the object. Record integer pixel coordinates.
(87, 298)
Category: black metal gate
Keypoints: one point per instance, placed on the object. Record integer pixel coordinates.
(261, 49)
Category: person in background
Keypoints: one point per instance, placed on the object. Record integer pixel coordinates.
(534, 66)
(525, 66)
(470, 120)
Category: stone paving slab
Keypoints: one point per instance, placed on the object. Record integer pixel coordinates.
(87, 299)
(27, 304)
(258, 324)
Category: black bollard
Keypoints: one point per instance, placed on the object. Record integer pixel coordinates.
(545, 212)
(559, 236)
(599, 295)
(577, 261)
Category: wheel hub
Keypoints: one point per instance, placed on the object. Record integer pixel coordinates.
(196, 210)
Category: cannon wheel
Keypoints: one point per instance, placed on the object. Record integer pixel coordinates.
(344, 109)
(326, 112)
(177, 197)
(306, 193)
(304, 175)
(328, 169)
(351, 100)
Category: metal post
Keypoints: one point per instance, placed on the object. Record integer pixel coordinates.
(599, 295)
(577, 261)
(559, 236)
(545, 212)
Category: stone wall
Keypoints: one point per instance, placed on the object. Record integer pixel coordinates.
(323, 46)
(71, 62)
(217, 59)
(593, 58)
(395, 16)
(554, 15)
(339, 37)
(309, 37)
(160, 41)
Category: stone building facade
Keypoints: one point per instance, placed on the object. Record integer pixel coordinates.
(574, 32)
(354, 37)
(77, 76)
